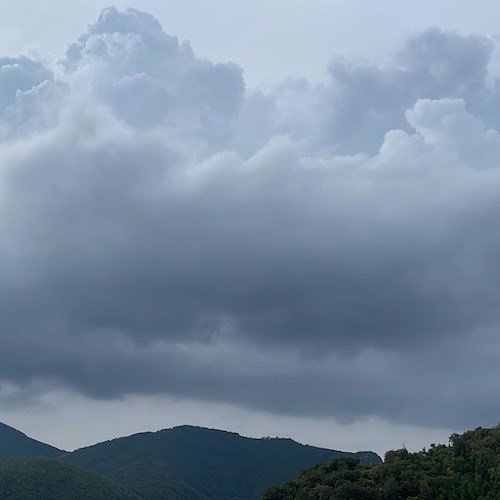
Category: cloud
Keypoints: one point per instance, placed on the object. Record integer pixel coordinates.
(361, 100)
(28, 89)
(169, 233)
(150, 79)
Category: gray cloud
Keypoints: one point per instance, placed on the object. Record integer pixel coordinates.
(361, 101)
(336, 255)
(366, 100)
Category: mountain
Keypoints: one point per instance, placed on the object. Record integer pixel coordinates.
(54, 479)
(14, 443)
(197, 463)
(469, 468)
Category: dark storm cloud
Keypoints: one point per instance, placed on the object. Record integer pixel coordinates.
(149, 244)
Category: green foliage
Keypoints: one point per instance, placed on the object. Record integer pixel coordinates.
(195, 463)
(469, 468)
(53, 479)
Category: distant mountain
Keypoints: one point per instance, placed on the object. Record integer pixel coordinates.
(54, 479)
(469, 468)
(199, 464)
(14, 443)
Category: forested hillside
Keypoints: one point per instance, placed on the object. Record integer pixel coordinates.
(195, 463)
(192, 462)
(54, 479)
(468, 468)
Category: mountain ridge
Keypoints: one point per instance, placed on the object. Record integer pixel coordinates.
(16, 444)
(202, 463)
(226, 432)
(185, 462)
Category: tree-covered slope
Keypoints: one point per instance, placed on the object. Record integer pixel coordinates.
(196, 463)
(55, 479)
(14, 443)
(467, 469)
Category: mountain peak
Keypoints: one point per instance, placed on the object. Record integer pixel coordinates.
(203, 463)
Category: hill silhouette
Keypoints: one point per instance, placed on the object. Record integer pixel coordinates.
(14, 443)
(193, 463)
(197, 463)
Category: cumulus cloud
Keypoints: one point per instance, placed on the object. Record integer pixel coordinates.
(150, 79)
(27, 92)
(361, 100)
(313, 250)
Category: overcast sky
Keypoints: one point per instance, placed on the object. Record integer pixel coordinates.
(274, 219)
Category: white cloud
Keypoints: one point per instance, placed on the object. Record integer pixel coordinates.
(150, 79)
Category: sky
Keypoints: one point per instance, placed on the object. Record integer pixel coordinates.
(279, 220)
